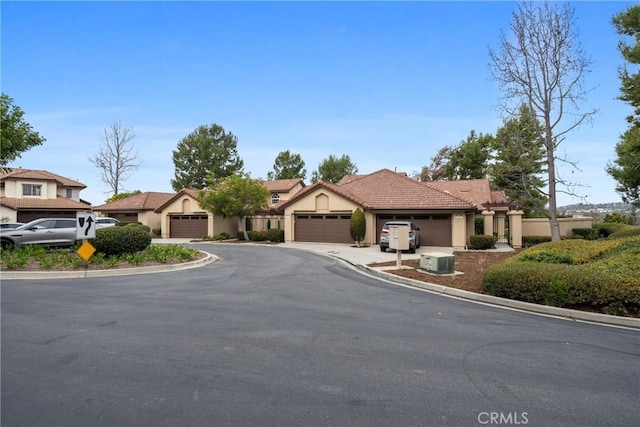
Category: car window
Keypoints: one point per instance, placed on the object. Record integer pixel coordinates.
(50, 223)
(65, 223)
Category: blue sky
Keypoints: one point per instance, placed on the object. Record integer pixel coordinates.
(388, 83)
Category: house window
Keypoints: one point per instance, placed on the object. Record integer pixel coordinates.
(73, 193)
(31, 190)
(275, 198)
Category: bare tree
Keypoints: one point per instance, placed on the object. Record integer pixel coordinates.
(436, 170)
(116, 158)
(543, 66)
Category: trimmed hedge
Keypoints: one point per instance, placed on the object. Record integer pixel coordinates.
(482, 242)
(275, 235)
(604, 274)
(258, 236)
(528, 241)
(625, 232)
(586, 233)
(607, 228)
(121, 240)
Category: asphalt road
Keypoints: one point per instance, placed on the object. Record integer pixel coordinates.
(272, 336)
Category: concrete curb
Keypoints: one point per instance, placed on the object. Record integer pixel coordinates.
(74, 274)
(570, 314)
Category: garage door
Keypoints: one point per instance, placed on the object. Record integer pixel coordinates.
(435, 230)
(188, 226)
(323, 228)
(27, 216)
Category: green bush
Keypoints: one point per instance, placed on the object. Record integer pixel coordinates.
(258, 236)
(604, 275)
(121, 240)
(275, 235)
(528, 241)
(618, 218)
(138, 225)
(482, 242)
(240, 235)
(357, 226)
(586, 233)
(625, 232)
(157, 232)
(606, 228)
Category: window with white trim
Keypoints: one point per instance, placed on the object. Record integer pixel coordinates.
(73, 193)
(31, 190)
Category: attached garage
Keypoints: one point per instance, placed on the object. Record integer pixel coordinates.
(28, 216)
(435, 229)
(188, 226)
(329, 228)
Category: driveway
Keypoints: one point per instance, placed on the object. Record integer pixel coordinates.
(282, 337)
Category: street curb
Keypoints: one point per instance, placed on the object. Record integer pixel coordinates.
(18, 275)
(570, 314)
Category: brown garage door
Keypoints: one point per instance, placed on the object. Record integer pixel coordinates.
(27, 216)
(435, 230)
(188, 226)
(323, 228)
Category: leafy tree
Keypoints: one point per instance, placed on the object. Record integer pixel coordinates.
(204, 157)
(287, 166)
(235, 195)
(333, 169)
(17, 135)
(469, 160)
(436, 170)
(618, 218)
(519, 162)
(116, 158)
(626, 167)
(358, 226)
(543, 64)
(121, 196)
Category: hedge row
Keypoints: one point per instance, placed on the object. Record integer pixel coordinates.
(602, 274)
(482, 242)
(122, 240)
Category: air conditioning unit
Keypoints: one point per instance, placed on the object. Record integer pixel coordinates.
(437, 263)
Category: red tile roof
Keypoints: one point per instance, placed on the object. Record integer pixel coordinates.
(19, 173)
(477, 191)
(386, 189)
(138, 202)
(276, 185)
(37, 203)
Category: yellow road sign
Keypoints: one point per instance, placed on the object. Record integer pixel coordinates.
(86, 250)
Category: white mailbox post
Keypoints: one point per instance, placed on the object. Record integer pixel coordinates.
(399, 240)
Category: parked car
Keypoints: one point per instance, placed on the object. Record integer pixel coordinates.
(104, 222)
(43, 231)
(8, 225)
(414, 235)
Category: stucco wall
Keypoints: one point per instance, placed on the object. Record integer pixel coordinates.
(177, 208)
(8, 215)
(150, 218)
(541, 226)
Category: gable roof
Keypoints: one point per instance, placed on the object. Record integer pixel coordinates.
(38, 203)
(477, 191)
(138, 202)
(42, 175)
(191, 192)
(386, 189)
(276, 185)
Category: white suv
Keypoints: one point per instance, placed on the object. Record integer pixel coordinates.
(104, 222)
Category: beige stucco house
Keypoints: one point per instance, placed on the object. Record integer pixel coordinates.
(28, 194)
(136, 208)
(280, 190)
(321, 212)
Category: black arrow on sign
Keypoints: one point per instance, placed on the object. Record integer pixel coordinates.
(89, 222)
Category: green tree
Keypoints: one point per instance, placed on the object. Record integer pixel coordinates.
(333, 169)
(436, 169)
(543, 64)
(626, 167)
(287, 166)
(519, 161)
(358, 226)
(469, 160)
(236, 195)
(17, 136)
(205, 156)
(121, 196)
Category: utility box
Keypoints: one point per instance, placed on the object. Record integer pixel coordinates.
(437, 263)
(399, 237)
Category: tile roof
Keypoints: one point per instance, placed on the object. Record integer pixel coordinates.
(37, 203)
(282, 184)
(19, 173)
(138, 202)
(477, 191)
(386, 189)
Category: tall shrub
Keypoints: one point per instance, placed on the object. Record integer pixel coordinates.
(358, 226)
